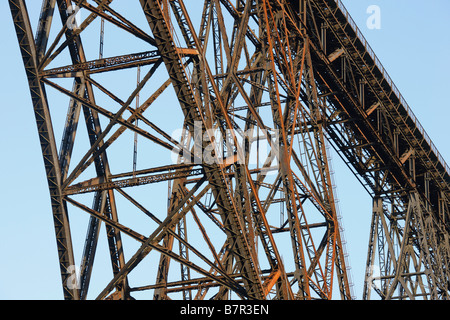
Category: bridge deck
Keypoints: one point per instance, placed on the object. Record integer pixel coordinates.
(392, 135)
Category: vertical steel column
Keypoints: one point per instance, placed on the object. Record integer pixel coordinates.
(49, 150)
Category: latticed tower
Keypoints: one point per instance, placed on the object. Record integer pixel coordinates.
(192, 151)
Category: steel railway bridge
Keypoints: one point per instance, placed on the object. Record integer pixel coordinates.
(206, 214)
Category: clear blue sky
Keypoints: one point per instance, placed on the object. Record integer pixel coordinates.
(412, 44)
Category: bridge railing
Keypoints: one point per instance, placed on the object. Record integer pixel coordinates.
(392, 84)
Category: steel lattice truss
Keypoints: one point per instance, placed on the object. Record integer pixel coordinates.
(240, 203)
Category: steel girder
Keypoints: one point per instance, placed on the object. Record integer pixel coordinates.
(294, 75)
(378, 136)
(30, 57)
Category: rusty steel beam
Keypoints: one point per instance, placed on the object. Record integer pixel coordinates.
(213, 212)
(48, 144)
